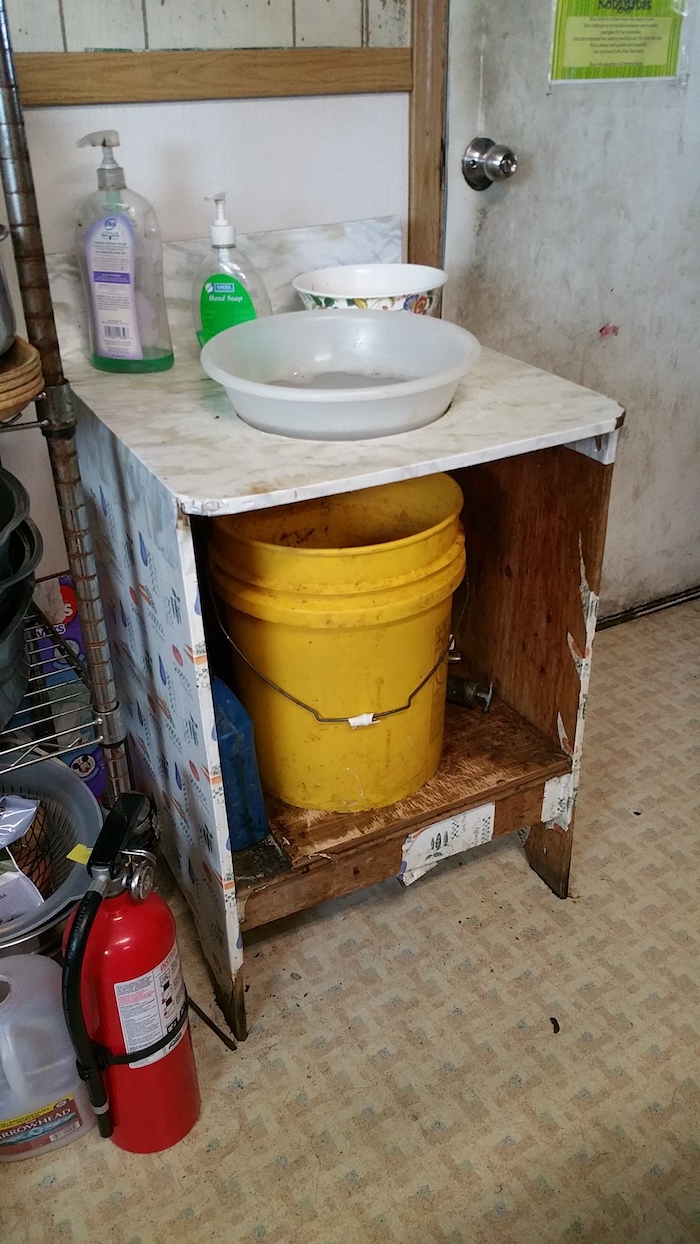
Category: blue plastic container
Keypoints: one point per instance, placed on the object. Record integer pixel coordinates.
(247, 822)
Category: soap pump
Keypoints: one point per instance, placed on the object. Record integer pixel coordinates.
(227, 289)
(121, 260)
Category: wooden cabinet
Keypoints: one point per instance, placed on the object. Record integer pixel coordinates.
(535, 529)
(533, 455)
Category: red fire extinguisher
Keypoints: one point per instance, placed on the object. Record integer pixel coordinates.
(123, 994)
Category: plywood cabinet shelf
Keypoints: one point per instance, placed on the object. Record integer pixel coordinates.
(496, 757)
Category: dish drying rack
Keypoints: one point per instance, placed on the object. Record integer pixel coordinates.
(56, 716)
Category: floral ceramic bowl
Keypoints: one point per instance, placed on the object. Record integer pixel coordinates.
(372, 287)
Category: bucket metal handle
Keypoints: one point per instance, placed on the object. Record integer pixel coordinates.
(361, 719)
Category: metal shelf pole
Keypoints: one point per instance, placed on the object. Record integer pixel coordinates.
(57, 411)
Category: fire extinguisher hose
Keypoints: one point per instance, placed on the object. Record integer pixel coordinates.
(72, 1008)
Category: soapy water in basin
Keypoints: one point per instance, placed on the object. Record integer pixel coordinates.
(337, 380)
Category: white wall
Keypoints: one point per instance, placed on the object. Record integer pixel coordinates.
(285, 163)
(600, 226)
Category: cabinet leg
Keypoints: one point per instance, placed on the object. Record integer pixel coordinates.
(548, 853)
(232, 1005)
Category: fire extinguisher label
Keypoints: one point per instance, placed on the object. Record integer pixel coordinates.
(150, 1005)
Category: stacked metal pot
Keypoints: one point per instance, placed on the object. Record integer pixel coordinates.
(20, 553)
(21, 381)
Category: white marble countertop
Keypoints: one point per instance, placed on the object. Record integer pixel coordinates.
(181, 426)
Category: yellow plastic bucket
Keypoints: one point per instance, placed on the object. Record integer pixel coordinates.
(340, 607)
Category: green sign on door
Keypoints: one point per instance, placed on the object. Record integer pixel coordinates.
(598, 39)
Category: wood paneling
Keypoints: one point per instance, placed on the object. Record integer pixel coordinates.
(48, 79)
(549, 853)
(232, 1003)
(524, 518)
(516, 811)
(535, 525)
(427, 143)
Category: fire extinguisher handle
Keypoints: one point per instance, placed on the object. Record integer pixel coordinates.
(73, 1011)
(130, 812)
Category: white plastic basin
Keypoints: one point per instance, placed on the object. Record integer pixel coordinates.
(340, 375)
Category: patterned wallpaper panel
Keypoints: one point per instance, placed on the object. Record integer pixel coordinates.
(83, 25)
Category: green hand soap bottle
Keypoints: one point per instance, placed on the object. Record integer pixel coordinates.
(227, 288)
(121, 260)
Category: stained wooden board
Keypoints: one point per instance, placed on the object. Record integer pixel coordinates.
(535, 528)
(54, 78)
(427, 134)
(486, 757)
(366, 861)
(321, 879)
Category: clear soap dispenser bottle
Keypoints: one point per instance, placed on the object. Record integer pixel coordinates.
(121, 260)
(227, 289)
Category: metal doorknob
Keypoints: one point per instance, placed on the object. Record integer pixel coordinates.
(485, 161)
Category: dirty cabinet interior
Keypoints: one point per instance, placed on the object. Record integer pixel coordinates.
(533, 455)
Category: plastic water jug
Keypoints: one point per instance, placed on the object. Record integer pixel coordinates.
(43, 1103)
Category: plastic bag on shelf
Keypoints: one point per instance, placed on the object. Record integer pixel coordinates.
(18, 895)
(16, 816)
